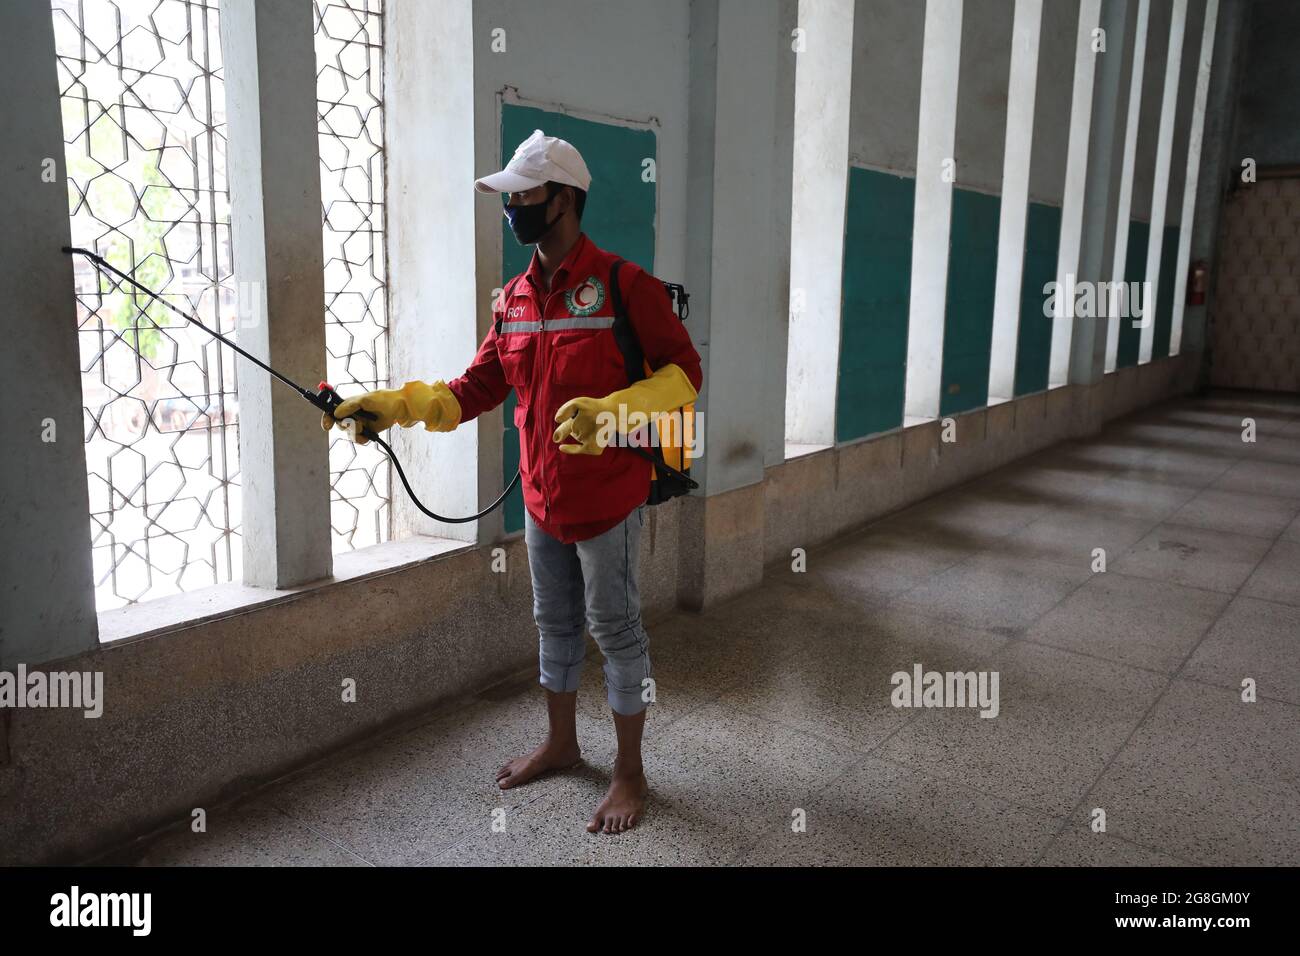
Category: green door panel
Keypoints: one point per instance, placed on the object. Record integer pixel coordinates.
(876, 288)
(968, 320)
(1034, 339)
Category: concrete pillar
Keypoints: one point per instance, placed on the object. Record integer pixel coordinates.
(439, 315)
(274, 175)
(1164, 155)
(1076, 172)
(1204, 64)
(936, 140)
(739, 192)
(47, 598)
(821, 167)
(1021, 89)
(1105, 171)
(1125, 206)
(1217, 162)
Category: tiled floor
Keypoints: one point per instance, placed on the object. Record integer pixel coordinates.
(1119, 692)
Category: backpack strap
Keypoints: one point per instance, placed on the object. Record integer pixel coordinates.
(624, 334)
(634, 363)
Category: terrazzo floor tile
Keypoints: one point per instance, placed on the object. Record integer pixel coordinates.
(839, 688)
(413, 795)
(1054, 482)
(1081, 846)
(881, 814)
(780, 700)
(250, 834)
(1253, 639)
(727, 766)
(1068, 536)
(1128, 497)
(1208, 778)
(1132, 621)
(974, 516)
(1277, 578)
(1262, 477)
(882, 563)
(552, 831)
(991, 591)
(1261, 516)
(1060, 718)
(1196, 557)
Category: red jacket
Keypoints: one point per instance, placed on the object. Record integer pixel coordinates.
(560, 345)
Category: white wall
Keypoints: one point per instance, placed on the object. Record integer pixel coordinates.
(886, 84)
(821, 157)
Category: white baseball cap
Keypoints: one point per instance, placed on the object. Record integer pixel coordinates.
(538, 160)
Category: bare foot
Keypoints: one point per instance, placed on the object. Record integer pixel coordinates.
(545, 758)
(623, 805)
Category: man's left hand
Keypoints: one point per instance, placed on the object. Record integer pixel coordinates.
(579, 423)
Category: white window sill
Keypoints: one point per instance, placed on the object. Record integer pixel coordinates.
(801, 449)
(223, 600)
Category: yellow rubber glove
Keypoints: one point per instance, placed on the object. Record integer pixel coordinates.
(591, 422)
(433, 405)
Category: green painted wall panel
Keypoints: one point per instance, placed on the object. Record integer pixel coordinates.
(1135, 272)
(619, 216)
(968, 321)
(876, 290)
(1165, 293)
(1034, 339)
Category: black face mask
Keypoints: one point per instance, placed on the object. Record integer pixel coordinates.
(528, 223)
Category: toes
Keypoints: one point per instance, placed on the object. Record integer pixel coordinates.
(593, 824)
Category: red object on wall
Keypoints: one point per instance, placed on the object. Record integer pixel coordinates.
(1196, 283)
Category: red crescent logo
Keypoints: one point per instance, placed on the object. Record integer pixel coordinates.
(584, 295)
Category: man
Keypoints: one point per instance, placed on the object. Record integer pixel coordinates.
(553, 342)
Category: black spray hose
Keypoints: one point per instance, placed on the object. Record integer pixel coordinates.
(324, 398)
(397, 466)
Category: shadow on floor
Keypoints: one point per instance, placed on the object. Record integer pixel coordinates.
(775, 739)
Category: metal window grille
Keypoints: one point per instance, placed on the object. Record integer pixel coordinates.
(144, 124)
(350, 105)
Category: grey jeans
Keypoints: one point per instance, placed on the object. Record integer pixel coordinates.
(592, 582)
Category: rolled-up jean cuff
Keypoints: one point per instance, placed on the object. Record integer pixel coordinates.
(625, 704)
(561, 680)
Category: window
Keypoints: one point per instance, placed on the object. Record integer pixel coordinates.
(143, 117)
(350, 104)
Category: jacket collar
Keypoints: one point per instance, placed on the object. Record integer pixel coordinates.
(573, 266)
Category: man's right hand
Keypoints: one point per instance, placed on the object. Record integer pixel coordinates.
(432, 405)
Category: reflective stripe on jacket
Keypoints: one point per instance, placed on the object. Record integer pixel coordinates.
(558, 345)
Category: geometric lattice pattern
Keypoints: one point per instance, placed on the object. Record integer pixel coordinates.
(145, 143)
(350, 104)
(1255, 311)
